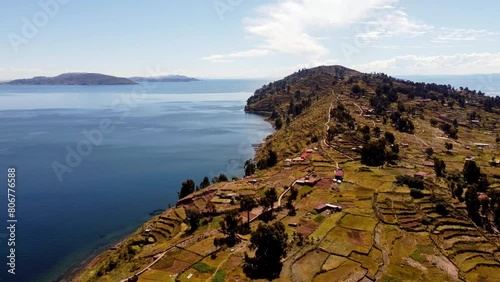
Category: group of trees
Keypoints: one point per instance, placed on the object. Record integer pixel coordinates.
(267, 161)
(474, 181)
(270, 244)
(402, 124)
(439, 167)
(450, 130)
(188, 187)
(378, 151)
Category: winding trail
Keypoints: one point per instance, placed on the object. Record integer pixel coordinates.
(324, 139)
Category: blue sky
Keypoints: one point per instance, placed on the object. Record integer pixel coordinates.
(247, 38)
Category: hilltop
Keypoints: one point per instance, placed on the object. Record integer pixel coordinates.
(367, 178)
(73, 79)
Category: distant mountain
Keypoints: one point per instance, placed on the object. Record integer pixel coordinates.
(74, 79)
(166, 78)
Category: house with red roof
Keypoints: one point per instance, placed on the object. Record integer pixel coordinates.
(421, 174)
(429, 164)
(339, 175)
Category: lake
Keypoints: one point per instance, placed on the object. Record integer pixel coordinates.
(93, 161)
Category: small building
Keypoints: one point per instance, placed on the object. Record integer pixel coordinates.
(334, 207)
(482, 145)
(307, 180)
(483, 197)
(469, 159)
(297, 159)
(252, 181)
(421, 174)
(339, 175)
(429, 164)
(320, 208)
(232, 196)
(494, 162)
(323, 207)
(404, 145)
(305, 155)
(309, 151)
(467, 147)
(475, 121)
(293, 224)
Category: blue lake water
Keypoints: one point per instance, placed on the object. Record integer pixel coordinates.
(486, 83)
(145, 141)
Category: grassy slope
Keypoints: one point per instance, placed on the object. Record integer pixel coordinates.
(380, 233)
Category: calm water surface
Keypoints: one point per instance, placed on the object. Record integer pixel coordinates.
(173, 132)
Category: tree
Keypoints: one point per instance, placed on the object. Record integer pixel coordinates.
(389, 137)
(230, 226)
(429, 151)
(272, 159)
(247, 203)
(439, 167)
(472, 202)
(223, 178)
(293, 194)
(483, 183)
(270, 244)
(471, 172)
(356, 89)
(193, 217)
(270, 197)
(416, 193)
(187, 188)
(459, 191)
(205, 183)
(496, 212)
(376, 131)
(290, 207)
(373, 153)
(249, 167)
(448, 146)
(278, 123)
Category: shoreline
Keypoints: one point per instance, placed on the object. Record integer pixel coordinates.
(77, 268)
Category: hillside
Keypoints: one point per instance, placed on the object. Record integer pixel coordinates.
(367, 178)
(74, 79)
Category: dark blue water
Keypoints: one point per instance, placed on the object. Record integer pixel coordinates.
(151, 143)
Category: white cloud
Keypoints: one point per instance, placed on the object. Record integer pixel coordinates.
(288, 25)
(467, 63)
(242, 54)
(459, 34)
(394, 23)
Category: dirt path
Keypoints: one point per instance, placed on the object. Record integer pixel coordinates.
(224, 261)
(327, 126)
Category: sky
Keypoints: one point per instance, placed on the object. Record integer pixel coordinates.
(247, 38)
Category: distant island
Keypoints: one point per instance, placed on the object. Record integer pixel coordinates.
(74, 79)
(166, 78)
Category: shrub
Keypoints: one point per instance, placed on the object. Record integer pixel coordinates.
(416, 193)
(412, 182)
(203, 267)
(440, 208)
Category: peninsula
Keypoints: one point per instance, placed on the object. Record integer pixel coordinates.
(74, 79)
(367, 178)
